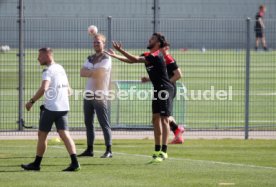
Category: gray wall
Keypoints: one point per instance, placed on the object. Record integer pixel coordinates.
(215, 8)
(197, 23)
(139, 8)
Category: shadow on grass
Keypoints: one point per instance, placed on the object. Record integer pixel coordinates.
(10, 166)
(19, 157)
(11, 171)
(32, 157)
(22, 171)
(17, 168)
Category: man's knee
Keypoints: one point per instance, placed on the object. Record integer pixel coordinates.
(155, 118)
(64, 134)
(42, 134)
(165, 119)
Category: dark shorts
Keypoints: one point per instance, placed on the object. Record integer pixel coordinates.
(47, 118)
(161, 105)
(259, 33)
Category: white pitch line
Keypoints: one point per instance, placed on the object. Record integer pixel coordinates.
(226, 184)
(187, 159)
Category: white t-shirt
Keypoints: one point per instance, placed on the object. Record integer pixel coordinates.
(93, 63)
(56, 97)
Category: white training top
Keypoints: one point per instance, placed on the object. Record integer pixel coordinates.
(93, 63)
(56, 97)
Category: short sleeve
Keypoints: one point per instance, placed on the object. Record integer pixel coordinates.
(46, 75)
(150, 58)
(169, 59)
(145, 54)
(105, 63)
(172, 66)
(170, 62)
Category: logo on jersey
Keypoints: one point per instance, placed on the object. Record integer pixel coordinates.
(149, 68)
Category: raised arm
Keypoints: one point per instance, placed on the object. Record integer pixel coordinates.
(165, 50)
(112, 53)
(129, 56)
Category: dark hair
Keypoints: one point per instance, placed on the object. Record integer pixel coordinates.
(261, 7)
(46, 50)
(161, 38)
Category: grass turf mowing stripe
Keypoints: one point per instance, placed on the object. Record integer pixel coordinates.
(170, 158)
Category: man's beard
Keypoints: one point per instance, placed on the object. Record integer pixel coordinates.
(150, 46)
(43, 63)
(98, 50)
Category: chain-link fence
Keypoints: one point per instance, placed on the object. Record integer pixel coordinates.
(227, 87)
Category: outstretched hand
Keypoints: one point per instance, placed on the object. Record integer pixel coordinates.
(117, 45)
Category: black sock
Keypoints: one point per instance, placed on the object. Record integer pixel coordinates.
(74, 160)
(108, 148)
(37, 160)
(164, 148)
(157, 147)
(90, 148)
(173, 126)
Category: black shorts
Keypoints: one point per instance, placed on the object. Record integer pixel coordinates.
(259, 33)
(47, 118)
(163, 104)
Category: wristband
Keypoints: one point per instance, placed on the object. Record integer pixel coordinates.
(32, 101)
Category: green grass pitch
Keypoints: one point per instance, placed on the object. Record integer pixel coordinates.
(196, 163)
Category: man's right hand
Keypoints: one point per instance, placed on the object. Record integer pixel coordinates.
(145, 79)
(117, 45)
(165, 50)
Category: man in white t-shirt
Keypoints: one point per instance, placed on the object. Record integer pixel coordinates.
(97, 70)
(55, 87)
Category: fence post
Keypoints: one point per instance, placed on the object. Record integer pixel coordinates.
(109, 32)
(21, 65)
(156, 10)
(109, 45)
(247, 79)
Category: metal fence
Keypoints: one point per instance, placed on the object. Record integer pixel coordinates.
(227, 86)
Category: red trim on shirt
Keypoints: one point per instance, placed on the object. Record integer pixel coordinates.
(146, 53)
(156, 53)
(169, 59)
